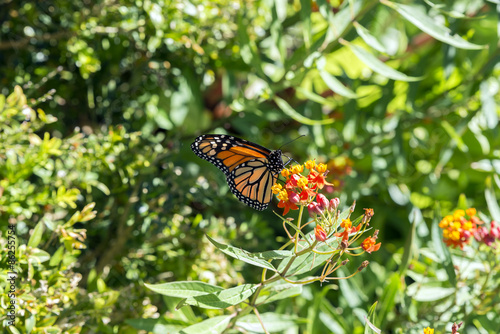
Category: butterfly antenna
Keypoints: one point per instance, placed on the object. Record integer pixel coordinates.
(291, 141)
(290, 159)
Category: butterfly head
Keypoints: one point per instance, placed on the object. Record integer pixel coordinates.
(275, 162)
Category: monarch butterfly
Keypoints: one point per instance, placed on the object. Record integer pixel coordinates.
(251, 170)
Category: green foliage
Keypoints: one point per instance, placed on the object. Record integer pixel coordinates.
(406, 93)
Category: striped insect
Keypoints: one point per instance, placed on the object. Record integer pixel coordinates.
(251, 170)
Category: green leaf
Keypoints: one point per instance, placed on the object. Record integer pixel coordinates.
(242, 255)
(273, 322)
(305, 16)
(278, 292)
(273, 254)
(210, 326)
(332, 82)
(335, 85)
(428, 25)
(455, 136)
(315, 97)
(378, 66)
(370, 320)
(489, 90)
(221, 299)
(30, 323)
(428, 292)
(56, 258)
(36, 237)
(288, 110)
(491, 200)
(157, 326)
(38, 256)
(184, 289)
(369, 39)
(388, 299)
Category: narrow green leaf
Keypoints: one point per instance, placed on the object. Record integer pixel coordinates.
(30, 323)
(184, 289)
(388, 299)
(156, 326)
(491, 200)
(305, 16)
(273, 254)
(377, 65)
(56, 258)
(273, 322)
(332, 82)
(221, 299)
(335, 85)
(315, 97)
(288, 110)
(489, 90)
(36, 237)
(213, 325)
(290, 291)
(369, 39)
(428, 292)
(409, 245)
(242, 255)
(370, 320)
(38, 256)
(454, 135)
(449, 11)
(428, 25)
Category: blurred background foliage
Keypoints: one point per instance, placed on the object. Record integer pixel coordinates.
(400, 99)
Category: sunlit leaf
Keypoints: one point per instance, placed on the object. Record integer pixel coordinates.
(36, 237)
(213, 325)
(428, 25)
(377, 65)
(289, 111)
(184, 289)
(221, 299)
(242, 255)
(369, 39)
(273, 322)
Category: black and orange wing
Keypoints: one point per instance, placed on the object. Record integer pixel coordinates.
(249, 172)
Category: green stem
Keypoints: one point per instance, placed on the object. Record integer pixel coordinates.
(298, 227)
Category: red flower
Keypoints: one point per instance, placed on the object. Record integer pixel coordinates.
(286, 198)
(320, 233)
(369, 244)
(348, 229)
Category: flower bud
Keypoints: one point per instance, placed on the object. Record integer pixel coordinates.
(363, 265)
(311, 210)
(294, 198)
(322, 201)
(320, 233)
(334, 203)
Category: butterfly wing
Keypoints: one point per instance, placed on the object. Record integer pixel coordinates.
(249, 172)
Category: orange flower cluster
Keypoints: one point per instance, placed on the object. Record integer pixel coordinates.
(303, 190)
(459, 228)
(300, 189)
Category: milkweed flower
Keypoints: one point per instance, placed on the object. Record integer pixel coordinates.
(348, 229)
(458, 229)
(320, 233)
(322, 201)
(488, 237)
(428, 330)
(284, 197)
(369, 244)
